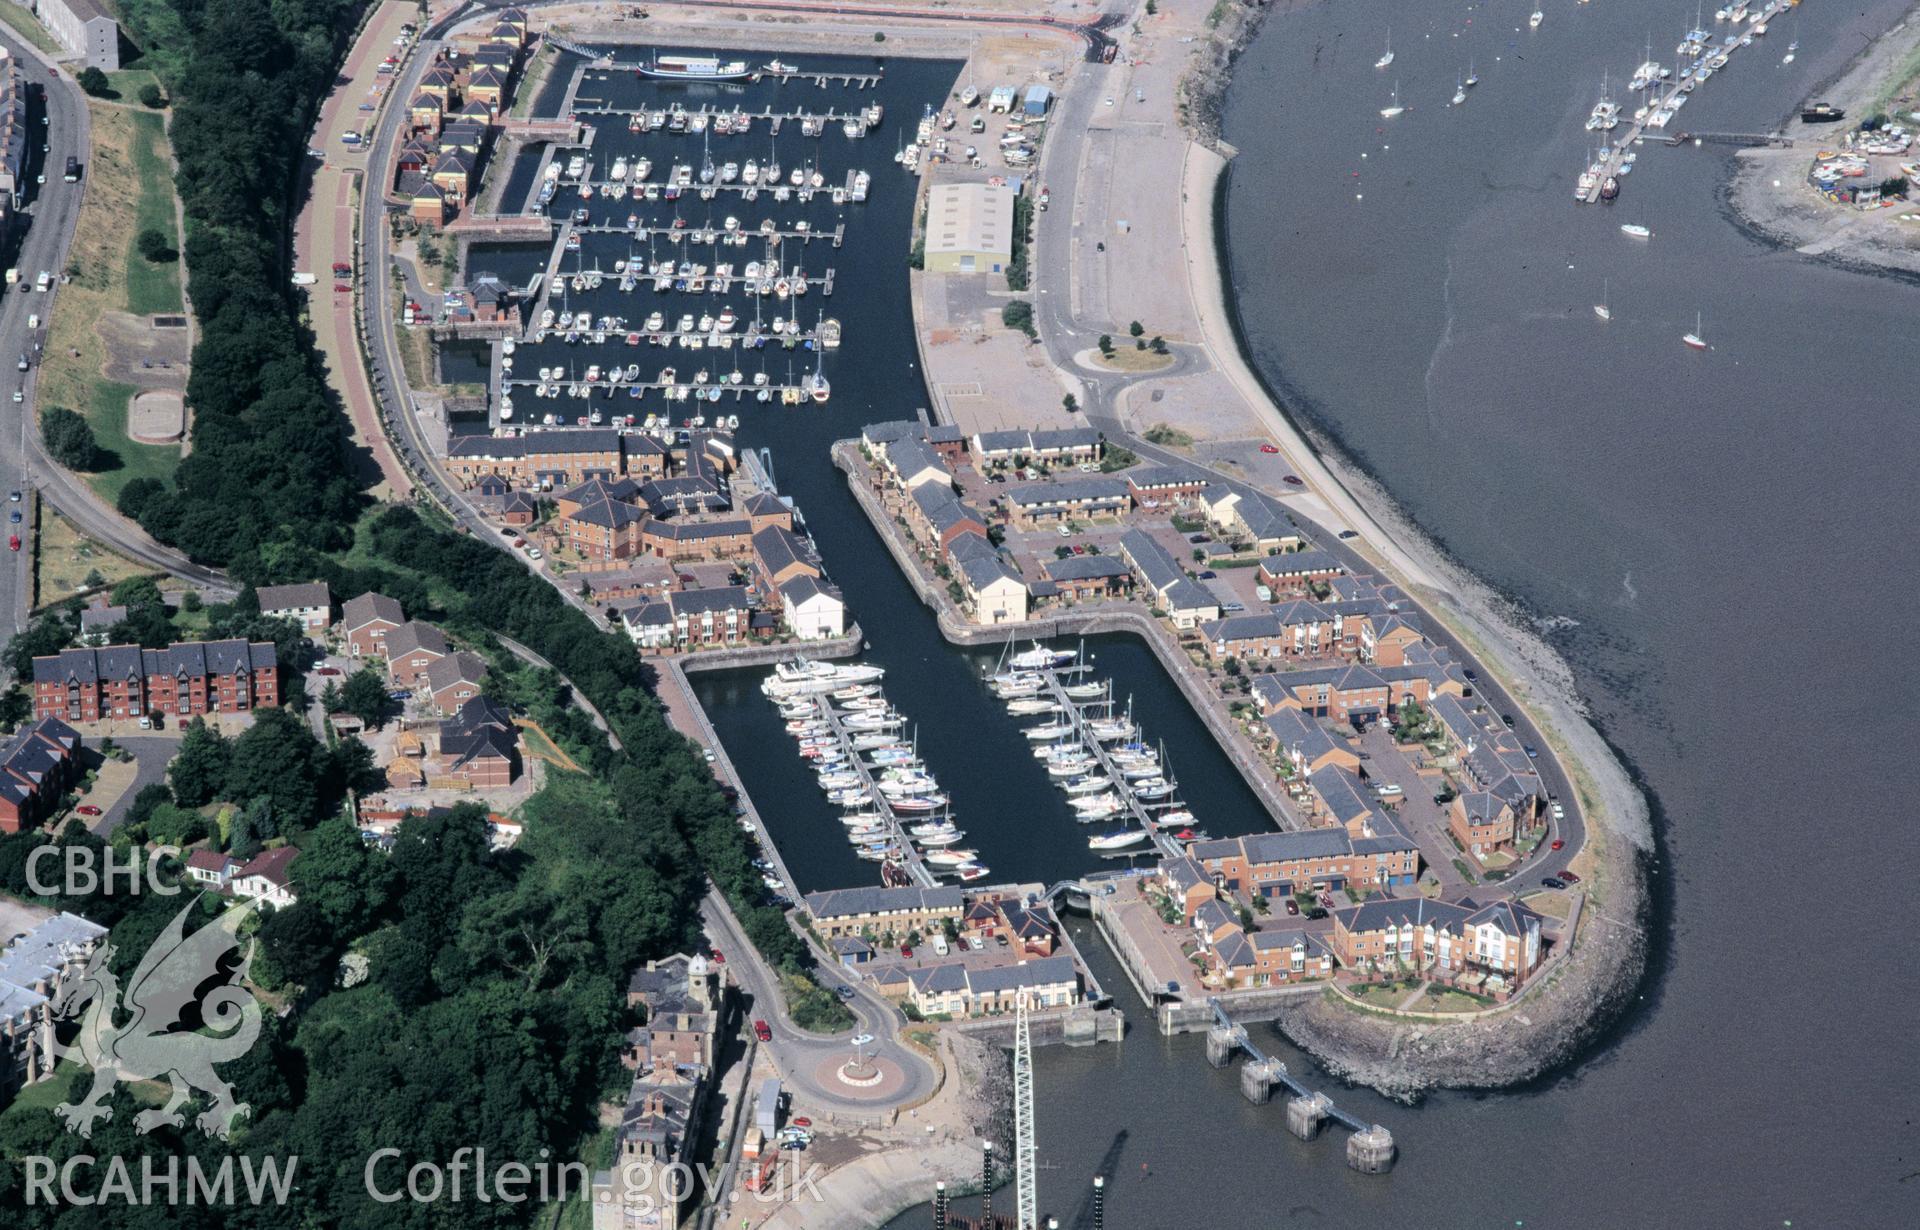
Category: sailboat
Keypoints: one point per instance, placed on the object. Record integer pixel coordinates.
(1394, 108)
(1459, 90)
(1694, 339)
(1794, 45)
(1387, 57)
(1473, 78)
(1601, 309)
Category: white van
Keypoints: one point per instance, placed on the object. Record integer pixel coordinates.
(940, 942)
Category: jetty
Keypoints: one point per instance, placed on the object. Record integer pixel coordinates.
(602, 61)
(908, 859)
(1370, 1148)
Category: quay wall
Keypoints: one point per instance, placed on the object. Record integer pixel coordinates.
(957, 629)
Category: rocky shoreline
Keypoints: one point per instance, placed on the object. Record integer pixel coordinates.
(1770, 199)
(1400, 1056)
(1203, 87)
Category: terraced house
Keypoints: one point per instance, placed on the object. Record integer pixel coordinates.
(1493, 948)
(126, 681)
(37, 766)
(1280, 864)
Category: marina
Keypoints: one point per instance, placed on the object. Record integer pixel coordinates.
(892, 808)
(1094, 755)
(1700, 54)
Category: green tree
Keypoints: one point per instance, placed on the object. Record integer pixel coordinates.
(1070, 403)
(339, 877)
(199, 769)
(1018, 314)
(1136, 329)
(154, 247)
(69, 438)
(94, 82)
(1106, 344)
(146, 799)
(365, 697)
(151, 97)
(276, 766)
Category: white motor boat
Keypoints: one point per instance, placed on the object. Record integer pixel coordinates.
(1119, 839)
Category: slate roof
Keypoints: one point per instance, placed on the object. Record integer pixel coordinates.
(294, 597)
(778, 548)
(415, 636)
(456, 668)
(1041, 971)
(1384, 912)
(368, 607)
(1153, 561)
(535, 444)
(1069, 491)
(1300, 563)
(1086, 567)
(806, 587)
(850, 902)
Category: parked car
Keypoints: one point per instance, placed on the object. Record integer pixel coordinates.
(763, 1031)
(402, 694)
(1533, 753)
(13, 542)
(1317, 912)
(718, 957)
(1569, 877)
(326, 670)
(1552, 882)
(87, 809)
(13, 515)
(1293, 907)
(1268, 448)
(1508, 719)
(843, 991)
(15, 497)
(1348, 534)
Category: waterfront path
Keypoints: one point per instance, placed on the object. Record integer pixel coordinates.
(1137, 166)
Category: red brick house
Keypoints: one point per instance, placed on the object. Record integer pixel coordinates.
(36, 767)
(411, 649)
(367, 620)
(126, 681)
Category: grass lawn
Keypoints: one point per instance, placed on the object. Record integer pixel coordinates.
(1168, 437)
(127, 176)
(152, 287)
(22, 23)
(67, 558)
(1127, 359)
(128, 82)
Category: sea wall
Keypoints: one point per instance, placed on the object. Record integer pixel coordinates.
(1203, 87)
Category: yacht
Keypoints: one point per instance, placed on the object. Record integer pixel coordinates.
(1119, 839)
(1601, 309)
(1636, 230)
(1386, 57)
(1473, 78)
(1459, 91)
(1694, 339)
(1393, 108)
(1534, 19)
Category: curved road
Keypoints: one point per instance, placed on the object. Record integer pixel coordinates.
(801, 1053)
(50, 217)
(1056, 249)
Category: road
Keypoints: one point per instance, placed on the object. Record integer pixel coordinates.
(1061, 256)
(798, 1053)
(50, 214)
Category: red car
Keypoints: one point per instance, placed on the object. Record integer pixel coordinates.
(1569, 877)
(341, 288)
(87, 809)
(1268, 448)
(801, 1121)
(719, 958)
(326, 670)
(13, 541)
(1559, 845)
(906, 952)
(762, 1031)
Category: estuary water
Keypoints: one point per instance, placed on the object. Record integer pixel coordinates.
(1686, 528)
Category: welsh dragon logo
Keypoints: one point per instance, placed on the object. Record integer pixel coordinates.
(153, 1041)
